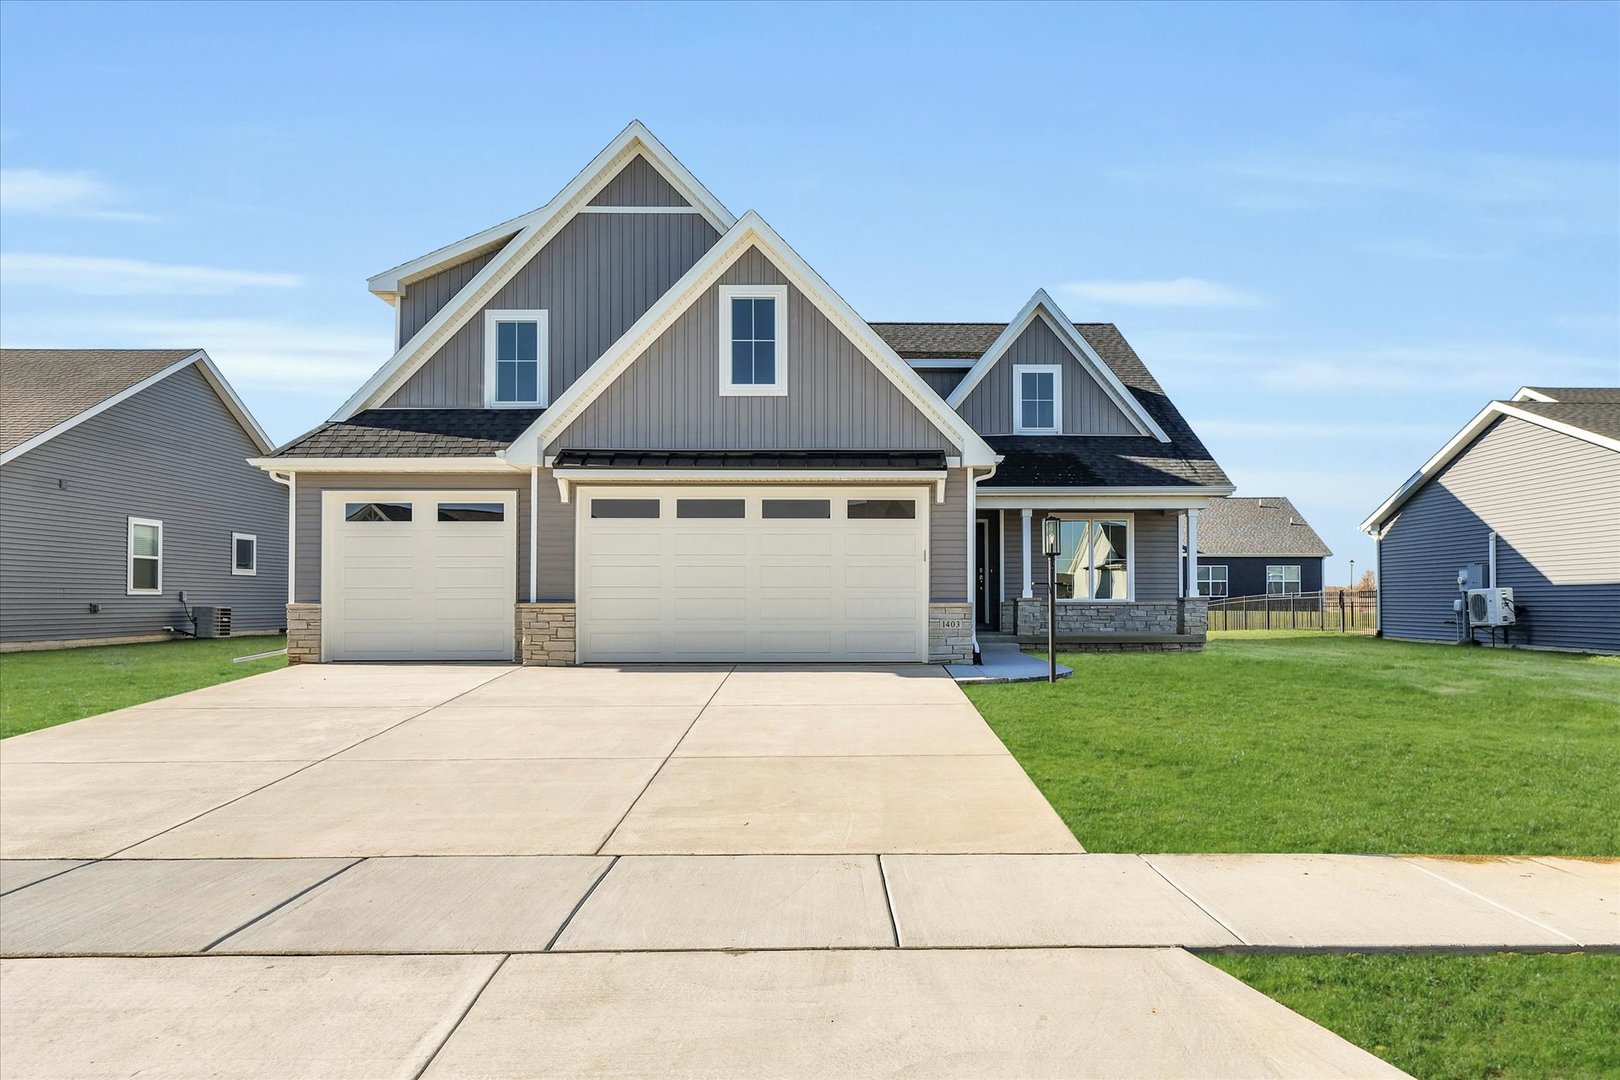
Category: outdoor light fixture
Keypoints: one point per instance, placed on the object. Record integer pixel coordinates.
(1051, 541)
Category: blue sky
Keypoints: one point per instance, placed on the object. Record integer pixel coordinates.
(1332, 231)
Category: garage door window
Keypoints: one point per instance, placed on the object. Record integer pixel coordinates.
(624, 508)
(472, 512)
(798, 509)
(377, 511)
(882, 509)
(708, 508)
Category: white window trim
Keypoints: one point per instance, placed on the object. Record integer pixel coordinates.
(542, 383)
(1225, 578)
(728, 293)
(252, 571)
(1130, 555)
(130, 556)
(1299, 579)
(1019, 370)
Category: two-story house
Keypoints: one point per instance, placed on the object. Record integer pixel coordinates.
(631, 426)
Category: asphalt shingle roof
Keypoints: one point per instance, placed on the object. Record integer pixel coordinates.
(414, 433)
(41, 388)
(1580, 395)
(1266, 526)
(1598, 417)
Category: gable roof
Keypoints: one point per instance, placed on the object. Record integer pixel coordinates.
(1263, 526)
(518, 241)
(1042, 306)
(750, 231)
(45, 392)
(1590, 414)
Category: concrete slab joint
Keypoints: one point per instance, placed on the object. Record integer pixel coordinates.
(303, 633)
(950, 633)
(545, 634)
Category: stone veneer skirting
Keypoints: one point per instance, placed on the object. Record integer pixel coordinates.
(303, 633)
(1186, 617)
(545, 634)
(950, 633)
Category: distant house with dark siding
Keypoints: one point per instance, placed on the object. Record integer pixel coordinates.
(1257, 547)
(123, 481)
(1534, 481)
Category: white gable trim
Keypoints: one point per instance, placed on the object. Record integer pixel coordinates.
(1043, 307)
(749, 231)
(534, 231)
(1459, 442)
(209, 372)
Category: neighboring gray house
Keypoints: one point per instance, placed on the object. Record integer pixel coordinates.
(631, 426)
(1529, 493)
(1258, 547)
(124, 480)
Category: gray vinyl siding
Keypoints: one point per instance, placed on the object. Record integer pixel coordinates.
(942, 380)
(639, 184)
(669, 398)
(1158, 551)
(1087, 409)
(1554, 503)
(596, 277)
(175, 453)
(948, 551)
(423, 299)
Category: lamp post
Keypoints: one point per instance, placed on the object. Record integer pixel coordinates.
(1051, 540)
(1352, 575)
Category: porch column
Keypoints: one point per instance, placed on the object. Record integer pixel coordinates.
(1192, 552)
(1029, 580)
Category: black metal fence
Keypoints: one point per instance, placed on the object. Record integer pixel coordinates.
(1342, 610)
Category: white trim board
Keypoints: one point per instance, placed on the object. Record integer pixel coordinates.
(209, 372)
(529, 234)
(1042, 306)
(295, 465)
(1459, 442)
(750, 231)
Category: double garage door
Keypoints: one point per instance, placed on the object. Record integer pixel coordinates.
(663, 574)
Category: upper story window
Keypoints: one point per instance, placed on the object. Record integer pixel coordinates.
(753, 340)
(1037, 399)
(515, 361)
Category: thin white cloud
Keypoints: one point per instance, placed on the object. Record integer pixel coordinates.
(1183, 292)
(287, 357)
(93, 276)
(50, 193)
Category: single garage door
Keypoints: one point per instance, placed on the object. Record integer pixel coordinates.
(418, 575)
(725, 573)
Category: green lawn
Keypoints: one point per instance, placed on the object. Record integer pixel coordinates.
(1322, 742)
(39, 689)
(1457, 1016)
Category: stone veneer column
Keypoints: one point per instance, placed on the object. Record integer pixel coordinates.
(545, 634)
(950, 633)
(303, 633)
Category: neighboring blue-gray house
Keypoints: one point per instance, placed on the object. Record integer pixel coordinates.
(1528, 495)
(1258, 547)
(124, 481)
(630, 426)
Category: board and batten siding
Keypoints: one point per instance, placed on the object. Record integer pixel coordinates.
(948, 552)
(173, 452)
(423, 299)
(1087, 409)
(639, 184)
(1157, 551)
(669, 397)
(595, 278)
(1554, 502)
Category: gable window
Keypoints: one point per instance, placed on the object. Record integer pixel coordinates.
(1094, 559)
(1282, 580)
(145, 557)
(1211, 580)
(753, 340)
(515, 358)
(1037, 399)
(244, 554)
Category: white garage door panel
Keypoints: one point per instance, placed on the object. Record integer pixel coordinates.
(422, 589)
(803, 589)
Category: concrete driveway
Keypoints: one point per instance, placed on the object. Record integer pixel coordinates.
(376, 871)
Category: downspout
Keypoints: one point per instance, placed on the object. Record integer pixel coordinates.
(972, 559)
(290, 482)
(1493, 558)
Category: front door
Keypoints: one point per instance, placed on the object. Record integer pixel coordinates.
(987, 573)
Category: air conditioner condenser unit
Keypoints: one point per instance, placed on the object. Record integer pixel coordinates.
(1490, 607)
(212, 622)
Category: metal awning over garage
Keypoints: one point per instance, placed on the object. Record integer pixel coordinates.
(879, 460)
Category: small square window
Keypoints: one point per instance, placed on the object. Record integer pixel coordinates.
(244, 554)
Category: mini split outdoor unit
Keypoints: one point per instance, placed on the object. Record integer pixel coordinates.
(1490, 607)
(212, 621)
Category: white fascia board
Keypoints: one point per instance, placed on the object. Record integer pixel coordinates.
(1527, 394)
(749, 231)
(635, 136)
(537, 229)
(1042, 306)
(1185, 498)
(210, 373)
(384, 465)
(1457, 443)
